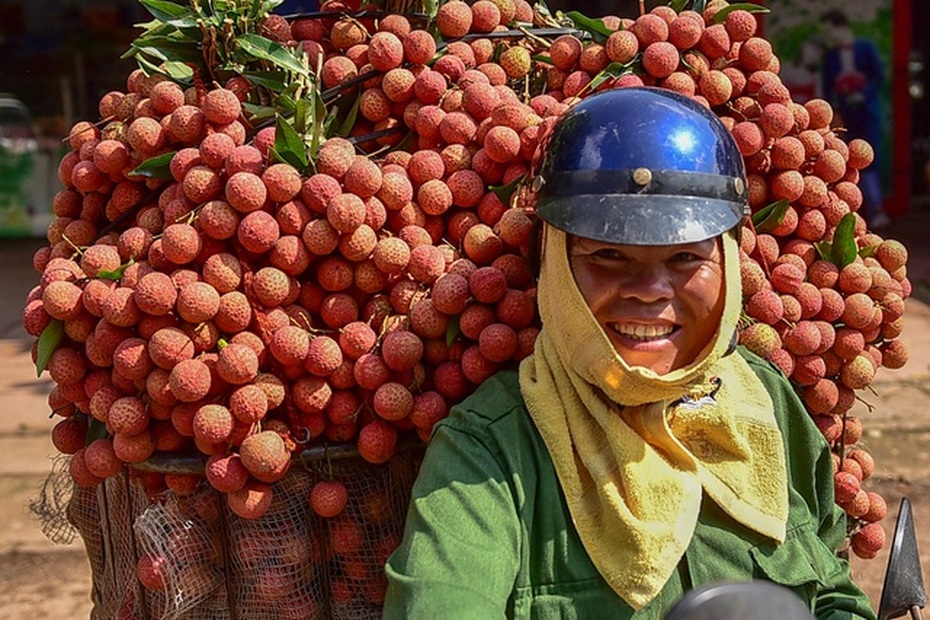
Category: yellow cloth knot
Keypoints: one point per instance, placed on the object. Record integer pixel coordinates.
(633, 450)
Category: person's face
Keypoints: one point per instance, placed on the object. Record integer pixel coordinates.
(659, 305)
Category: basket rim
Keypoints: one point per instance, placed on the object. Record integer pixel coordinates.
(168, 463)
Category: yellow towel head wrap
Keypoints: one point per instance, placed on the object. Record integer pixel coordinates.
(634, 450)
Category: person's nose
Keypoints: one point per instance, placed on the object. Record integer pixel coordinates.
(647, 284)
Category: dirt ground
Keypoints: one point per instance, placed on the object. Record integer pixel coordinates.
(39, 579)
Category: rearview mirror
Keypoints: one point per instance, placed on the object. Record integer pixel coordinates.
(746, 600)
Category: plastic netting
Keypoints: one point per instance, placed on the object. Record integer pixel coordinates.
(103, 516)
(50, 506)
(210, 564)
(359, 541)
(274, 563)
(182, 537)
(84, 514)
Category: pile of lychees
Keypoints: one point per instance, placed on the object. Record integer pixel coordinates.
(245, 307)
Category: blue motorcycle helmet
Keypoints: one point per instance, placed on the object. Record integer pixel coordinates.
(641, 166)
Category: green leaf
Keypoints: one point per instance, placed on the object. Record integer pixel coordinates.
(49, 340)
(166, 54)
(158, 167)
(266, 49)
(721, 15)
(150, 50)
(699, 6)
(616, 69)
(678, 5)
(284, 158)
(284, 101)
(174, 16)
(596, 82)
(452, 330)
(319, 117)
(611, 71)
(289, 146)
(188, 25)
(770, 216)
(868, 251)
(163, 36)
(95, 430)
(543, 58)
(172, 47)
(824, 249)
(165, 11)
(844, 241)
(349, 121)
(256, 112)
(115, 274)
(275, 81)
(157, 28)
(431, 8)
(147, 65)
(270, 5)
(303, 116)
(326, 131)
(152, 26)
(505, 192)
(596, 27)
(179, 71)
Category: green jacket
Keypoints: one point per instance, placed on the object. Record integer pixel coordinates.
(489, 535)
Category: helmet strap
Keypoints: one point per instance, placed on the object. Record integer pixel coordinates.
(535, 249)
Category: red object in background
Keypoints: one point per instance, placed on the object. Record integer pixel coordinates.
(850, 83)
(898, 203)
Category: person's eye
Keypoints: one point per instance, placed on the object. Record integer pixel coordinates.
(608, 254)
(686, 257)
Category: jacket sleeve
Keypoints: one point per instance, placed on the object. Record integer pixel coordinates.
(810, 468)
(460, 551)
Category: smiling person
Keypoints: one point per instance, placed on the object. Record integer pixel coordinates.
(638, 453)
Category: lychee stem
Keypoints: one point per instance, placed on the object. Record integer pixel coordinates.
(91, 127)
(867, 404)
(190, 217)
(544, 42)
(72, 244)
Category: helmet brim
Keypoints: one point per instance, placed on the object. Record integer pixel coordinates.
(631, 219)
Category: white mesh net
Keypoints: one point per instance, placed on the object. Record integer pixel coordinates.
(169, 557)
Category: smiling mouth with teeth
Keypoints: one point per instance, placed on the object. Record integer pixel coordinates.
(644, 333)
